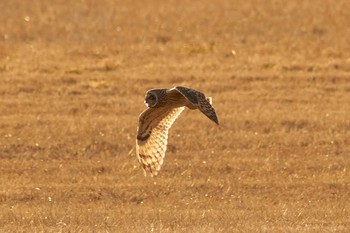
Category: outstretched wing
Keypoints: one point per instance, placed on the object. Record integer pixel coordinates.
(152, 136)
(199, 100)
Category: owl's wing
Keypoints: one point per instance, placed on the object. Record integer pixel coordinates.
(199, 100)
(152, 136)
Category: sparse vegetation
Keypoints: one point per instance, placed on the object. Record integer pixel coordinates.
(73, 76)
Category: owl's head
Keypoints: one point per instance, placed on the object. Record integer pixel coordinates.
(156, 98)
(151, 99)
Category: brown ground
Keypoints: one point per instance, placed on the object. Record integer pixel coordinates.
(73, 77)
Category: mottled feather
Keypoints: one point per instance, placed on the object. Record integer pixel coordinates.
(152, 136)
(199, 100)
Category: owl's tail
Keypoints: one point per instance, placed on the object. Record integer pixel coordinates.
(210, 100)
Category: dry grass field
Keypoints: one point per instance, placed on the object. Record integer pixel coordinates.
(73, 75)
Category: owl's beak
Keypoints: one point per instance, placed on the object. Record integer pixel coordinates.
(145, 101)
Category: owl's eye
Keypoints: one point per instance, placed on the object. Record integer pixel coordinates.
(151, 97)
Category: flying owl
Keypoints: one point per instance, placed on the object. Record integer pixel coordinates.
(164, 106)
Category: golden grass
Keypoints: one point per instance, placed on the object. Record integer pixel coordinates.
(73, 76)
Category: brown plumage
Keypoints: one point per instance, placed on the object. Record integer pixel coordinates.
(164, 106)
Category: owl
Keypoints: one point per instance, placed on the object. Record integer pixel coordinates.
(164, 106)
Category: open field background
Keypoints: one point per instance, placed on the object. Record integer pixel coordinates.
(72, 80)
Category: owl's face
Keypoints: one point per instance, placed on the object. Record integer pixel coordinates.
(151, 99)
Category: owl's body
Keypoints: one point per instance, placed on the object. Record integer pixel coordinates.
(164, 106)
